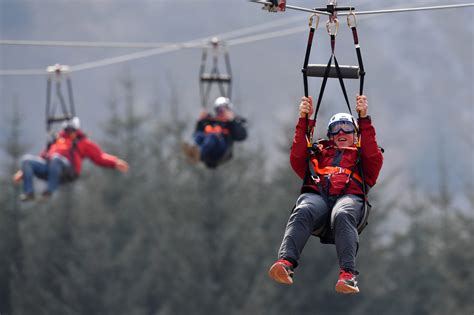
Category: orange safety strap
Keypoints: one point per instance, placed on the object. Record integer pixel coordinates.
(216, 129)
(331, 170)
(309, 145)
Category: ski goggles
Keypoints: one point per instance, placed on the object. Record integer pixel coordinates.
(344, 126)
(222, 108)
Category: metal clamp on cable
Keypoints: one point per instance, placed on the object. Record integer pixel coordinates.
(332, 27)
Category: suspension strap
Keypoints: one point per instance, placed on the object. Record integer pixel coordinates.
(309, 131)
(351, 22)
(48, 104)
(207, 80)
(60, 96)
(57, 73)
(71, 97)
(332, 26)
(229, 71)
(343, 87)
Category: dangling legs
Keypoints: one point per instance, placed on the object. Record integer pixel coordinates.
(32, 166)
(213, 148)
(311, 213)
(346, 214)
(56, 166)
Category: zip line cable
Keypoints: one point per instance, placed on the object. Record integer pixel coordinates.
(449, 6)
(88, 44)
(439, 7)
(274, 34)
(190, 44)
(81, 44)
(201, 41)
(23, 72)
(236, 33)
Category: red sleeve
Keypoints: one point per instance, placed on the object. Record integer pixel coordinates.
(299, 149)
(372, 158)
(92, 151)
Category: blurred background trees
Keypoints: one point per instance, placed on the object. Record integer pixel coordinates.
(174, 238)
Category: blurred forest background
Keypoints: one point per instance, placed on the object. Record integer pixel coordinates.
(174, 238)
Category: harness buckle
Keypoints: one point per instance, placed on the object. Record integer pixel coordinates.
(315, 179)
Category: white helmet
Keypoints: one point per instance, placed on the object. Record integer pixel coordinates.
(73, 123)
(342, 117)
(342, 121)
(222, 102)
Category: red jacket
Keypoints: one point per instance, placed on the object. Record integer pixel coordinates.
(330, 155)
(84, 148)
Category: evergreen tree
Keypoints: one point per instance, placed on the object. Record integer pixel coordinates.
(10, 242)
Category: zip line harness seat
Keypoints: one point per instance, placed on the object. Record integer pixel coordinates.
(340, 72)
(208, 79)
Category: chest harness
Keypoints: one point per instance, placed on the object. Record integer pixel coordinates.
(69, 174)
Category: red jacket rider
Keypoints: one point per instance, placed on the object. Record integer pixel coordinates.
(84, 148)
(330, 155)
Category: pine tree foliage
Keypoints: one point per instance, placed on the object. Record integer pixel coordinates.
(171, 237)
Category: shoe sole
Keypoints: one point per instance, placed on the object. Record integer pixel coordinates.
(279, 273)
(342, 287)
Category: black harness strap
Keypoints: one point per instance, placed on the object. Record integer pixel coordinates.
(207, 80)
(71, 174)
(67, 107)
(229, 72)
(343, 87)
(323, 86)
(71, 97)
(309, 133)
(353, 26)
(305, 76)
(48, 103)
(326, 75)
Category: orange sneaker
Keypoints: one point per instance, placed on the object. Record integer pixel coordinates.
(347, 282)
(282, 271)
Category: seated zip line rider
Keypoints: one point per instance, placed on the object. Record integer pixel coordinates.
(214, 134)
(332, 204)
(61, 161)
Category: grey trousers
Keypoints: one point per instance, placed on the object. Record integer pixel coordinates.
(311, 213)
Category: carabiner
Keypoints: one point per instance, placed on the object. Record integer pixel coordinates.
(311, 21)
(351, 20)
(329, 25)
